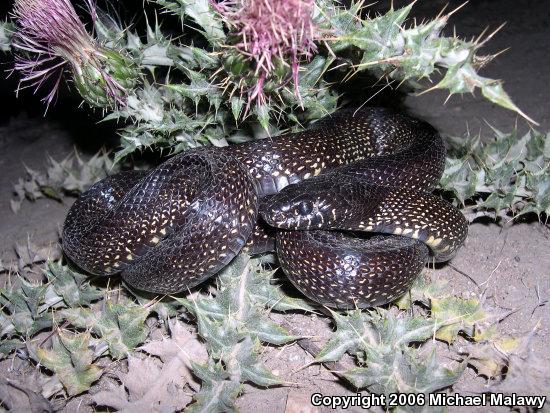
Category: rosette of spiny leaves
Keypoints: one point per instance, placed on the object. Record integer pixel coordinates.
(71, 358)
(28, 307)
(395, 350)
(118, 326)
(86, 323)
(509, 174)
(24, 313)
(381, 342)
(234, 323)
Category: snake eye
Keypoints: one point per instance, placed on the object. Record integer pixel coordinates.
(305, 207)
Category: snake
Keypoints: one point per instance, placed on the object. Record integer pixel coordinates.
(347, 205)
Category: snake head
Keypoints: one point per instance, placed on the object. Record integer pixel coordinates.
(306, 205)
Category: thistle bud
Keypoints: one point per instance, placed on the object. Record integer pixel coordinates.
(51, 39)
(107, 80)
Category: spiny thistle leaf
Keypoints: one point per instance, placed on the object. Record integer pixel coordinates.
(72, 175)
(246, 362)
(165, 308)
(457, 314)
(160, 123)
(349, 335)
(376, 37)
(71, 359)
(233, 324)
(198, 88)
(218, 392)
(268, 331)
(8, 346)
(70, 286)
(422, 291)
(404, 370)
(363, 331)
(6, 33)
(120, 325)
(269, 294)
(404, 53)
(510, 174)
(23, 309)
(244, 309)
(237, 105)
(262, 113)
(202, 12)
(27, 307)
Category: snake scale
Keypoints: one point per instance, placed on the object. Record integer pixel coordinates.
(329, 194)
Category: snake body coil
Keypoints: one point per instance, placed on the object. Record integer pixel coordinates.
(360, 172)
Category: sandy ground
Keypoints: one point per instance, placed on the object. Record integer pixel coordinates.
(510, 264)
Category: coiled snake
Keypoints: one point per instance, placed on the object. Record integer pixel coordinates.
(326, 189)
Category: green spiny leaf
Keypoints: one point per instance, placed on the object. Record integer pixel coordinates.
(202, 13)
(25, 308)
(8, 346)
(70, 285)
(251, 370)
(510, 174)
(269, 332)
(379, 37)
(269, 294)
(494, 92)
(218, 393)
(405, 371)
(456, 314)
(262, 113)
(350, 333)
(422, 291)
(199, 87)
(120, 326)
(237, 104)
(71, 359)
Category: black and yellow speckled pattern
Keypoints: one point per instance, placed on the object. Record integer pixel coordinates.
(353, 272)
(369, 171)
(166, 230)
(424, 226)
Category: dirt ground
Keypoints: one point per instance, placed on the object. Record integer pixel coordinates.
(510, 264)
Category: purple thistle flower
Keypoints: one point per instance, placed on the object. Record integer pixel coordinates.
(51, 38)
(270, 30)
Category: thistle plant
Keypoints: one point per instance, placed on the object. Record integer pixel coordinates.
(247, 69)
(234, 323)
(50, 38)
(506, 177)
(247, 72)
